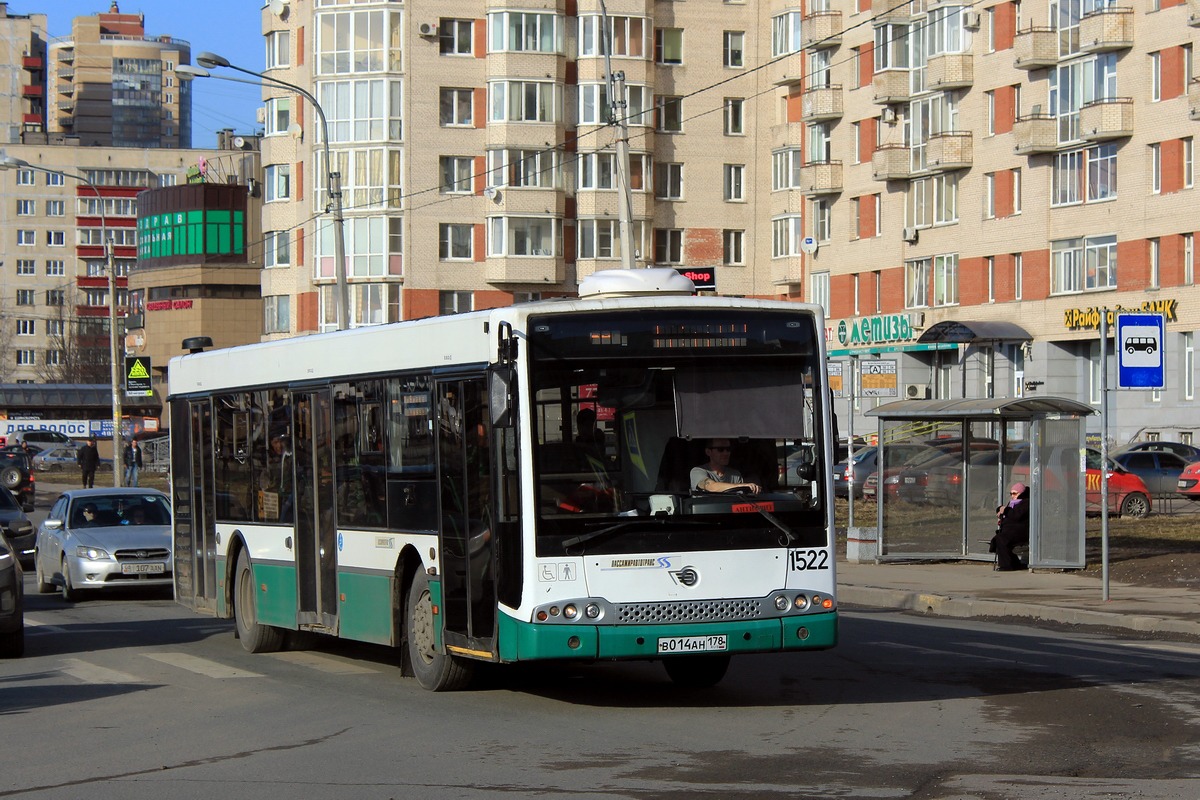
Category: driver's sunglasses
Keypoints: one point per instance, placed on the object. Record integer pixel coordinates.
(721, 449)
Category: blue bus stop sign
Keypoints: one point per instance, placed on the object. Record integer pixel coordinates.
(1139, 345)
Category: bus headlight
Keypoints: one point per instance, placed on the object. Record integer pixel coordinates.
(570, 611)
(591, 611)
(801, 602)
(781, 602)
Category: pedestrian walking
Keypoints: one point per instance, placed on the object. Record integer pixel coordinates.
(89, 459)
(133, 462)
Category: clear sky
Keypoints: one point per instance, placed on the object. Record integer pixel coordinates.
(232, 28)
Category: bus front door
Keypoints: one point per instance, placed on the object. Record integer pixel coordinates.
(466, 524)
(316, 531)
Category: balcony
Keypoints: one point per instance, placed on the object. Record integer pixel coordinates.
(1035, 48)
(1106, 119)
(821, 177)
(789, 271)
(891, 162)
(32, 62)
(1106, 29)
(66, 55)
(949, 151)
(1037, 133)
(821, 103)
(524, 269)
(32, 90)
(821, 29)
(32, 119)
(891, 86)
(1194, 13)
(1194, 99)
(950, 71)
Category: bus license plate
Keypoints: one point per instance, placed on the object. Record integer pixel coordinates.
(142, 569)
(692, 644)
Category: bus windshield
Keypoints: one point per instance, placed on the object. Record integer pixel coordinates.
(618, 432)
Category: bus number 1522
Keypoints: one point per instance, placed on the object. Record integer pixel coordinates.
(804, 560)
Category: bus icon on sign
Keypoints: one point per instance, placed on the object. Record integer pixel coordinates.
(1146, 344)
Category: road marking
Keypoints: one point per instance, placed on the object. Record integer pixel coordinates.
(201, 666)
(43, 627)
(92, 673)
(329, 664)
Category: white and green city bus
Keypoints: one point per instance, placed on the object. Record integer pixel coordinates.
(425, 484)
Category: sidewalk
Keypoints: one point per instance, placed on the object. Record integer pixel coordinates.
(974, 589)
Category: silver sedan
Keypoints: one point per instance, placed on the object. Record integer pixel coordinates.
(104, 539)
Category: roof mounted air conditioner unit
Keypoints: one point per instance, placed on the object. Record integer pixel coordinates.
(909, 235)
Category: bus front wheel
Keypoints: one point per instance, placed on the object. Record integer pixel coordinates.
(255, 637)
(438, 672)
(696, 672)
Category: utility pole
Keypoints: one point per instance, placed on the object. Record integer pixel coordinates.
(118, 366)
(617, 116)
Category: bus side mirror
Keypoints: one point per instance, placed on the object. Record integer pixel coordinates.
(500, 396)
(806, 472)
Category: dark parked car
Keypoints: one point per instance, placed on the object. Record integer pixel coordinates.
(1159, 471)
(866, 461)
(16, 475)
(12, 513)
(1189, 452)
(12, 598)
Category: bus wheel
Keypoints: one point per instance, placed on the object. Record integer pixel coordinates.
(255, 638)
(438, 672)
(696, 672)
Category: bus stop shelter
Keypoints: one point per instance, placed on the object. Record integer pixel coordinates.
(942, 502)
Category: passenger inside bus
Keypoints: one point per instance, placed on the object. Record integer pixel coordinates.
(716, 475)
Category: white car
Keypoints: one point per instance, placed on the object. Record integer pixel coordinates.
(104, 539)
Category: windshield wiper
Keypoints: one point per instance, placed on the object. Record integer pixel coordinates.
(771, 518)
(624, 527)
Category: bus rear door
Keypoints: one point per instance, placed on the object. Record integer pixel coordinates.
(316, 530)
(466, 527)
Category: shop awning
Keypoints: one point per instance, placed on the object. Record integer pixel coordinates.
(974, 332)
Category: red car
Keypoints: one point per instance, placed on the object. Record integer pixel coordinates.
(1127, 493)
(1189, 481)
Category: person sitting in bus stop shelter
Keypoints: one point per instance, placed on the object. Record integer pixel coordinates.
(1012, 529)
(716, 475)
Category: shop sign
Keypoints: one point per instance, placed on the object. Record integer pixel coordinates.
(1088, 319)
(876, 330)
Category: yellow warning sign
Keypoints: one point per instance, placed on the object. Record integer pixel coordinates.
(137, 377)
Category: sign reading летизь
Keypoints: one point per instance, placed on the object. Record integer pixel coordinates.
(876, 330)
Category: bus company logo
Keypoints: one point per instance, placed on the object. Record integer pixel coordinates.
(686, 576)
(662, 562)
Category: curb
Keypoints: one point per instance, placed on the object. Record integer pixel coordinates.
(968, 607)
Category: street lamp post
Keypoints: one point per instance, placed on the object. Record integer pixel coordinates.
(332, 177)
(9, 162)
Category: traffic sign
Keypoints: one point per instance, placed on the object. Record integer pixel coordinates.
(1139, 346)
(137, 376)
(877, 378)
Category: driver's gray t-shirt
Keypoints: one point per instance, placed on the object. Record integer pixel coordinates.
(701, 474)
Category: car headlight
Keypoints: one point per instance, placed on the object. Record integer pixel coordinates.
(91, 553)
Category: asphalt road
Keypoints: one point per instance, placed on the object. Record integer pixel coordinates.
(131, 696)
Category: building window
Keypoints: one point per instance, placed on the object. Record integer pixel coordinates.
(628, 36)
(990, 262)
(456, 107)
(1155, 77)
(25, 358)
(277, 313)
(276, 249)
(989, 195)
(733, 247)
(456, 241)
(734, 185)
(25, 177)
(668, 181)
(26, 266)
(1189, 259)
(819, 290)
(1155, 168)
(278, 182)
(785, 169)
(55, 208)
(945, 280)
(599, 238)
(785, 33)
(455, 302)
(735, 124)
(916, 283)
(26, 327)
(933, 201)
(1155, 251)
(668, 246)
(523, 101)
(734, 49)
(279, 44)
(58, 297)
(456, 37)
(891, 47)
(56, 267)
(1189, 365)
(524, 31)
(670, 114)
(822, 213)
(358, 41)
(1016, 185)
(26, 238)
(54, 179)
(786, 235)
(668, 45)
(25, 297)
(1189, 163)
(363, 110)
(279, 115)
(26, 208)
(524, 236)
(457, 174)
(1083, 265)
(597, 171)
(1084, 176)
(524, 168)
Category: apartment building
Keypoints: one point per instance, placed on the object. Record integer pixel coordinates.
(963, 186)
(22, 73)
(112, 85)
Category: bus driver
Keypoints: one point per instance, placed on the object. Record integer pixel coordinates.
(716, 475)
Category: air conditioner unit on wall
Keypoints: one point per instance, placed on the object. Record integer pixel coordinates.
(971, 20)
(916, 391)
(909, 235)
(889, 116)
(428, 29)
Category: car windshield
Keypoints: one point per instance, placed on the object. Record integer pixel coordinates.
(7, 501)
(119, 509)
